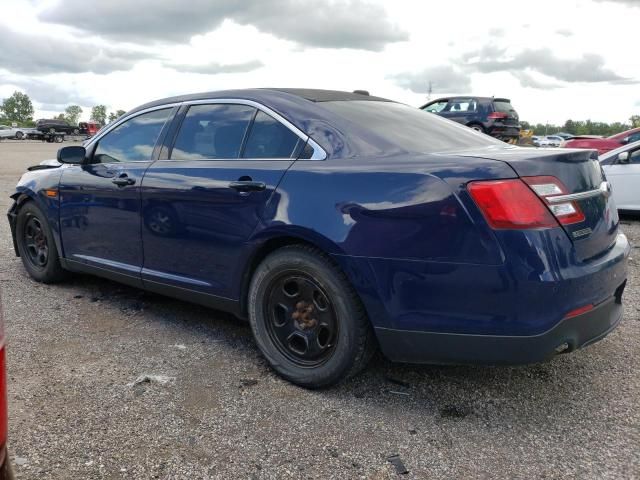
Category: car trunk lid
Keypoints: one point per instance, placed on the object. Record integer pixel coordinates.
(581, 177)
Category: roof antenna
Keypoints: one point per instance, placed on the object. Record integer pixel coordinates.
(361, 92)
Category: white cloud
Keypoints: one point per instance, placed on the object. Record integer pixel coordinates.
(550, 65)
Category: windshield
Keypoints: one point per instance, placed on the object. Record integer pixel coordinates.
(410, 128)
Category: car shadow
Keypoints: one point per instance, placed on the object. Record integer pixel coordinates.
(445, 393)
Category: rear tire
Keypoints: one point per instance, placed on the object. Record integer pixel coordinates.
(36, 245)
(307, 319)
(19, 135)
(476, 127)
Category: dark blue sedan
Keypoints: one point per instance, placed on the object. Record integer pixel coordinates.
(337, 223)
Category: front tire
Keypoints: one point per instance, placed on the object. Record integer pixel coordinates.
(307, 319)
(36, 245)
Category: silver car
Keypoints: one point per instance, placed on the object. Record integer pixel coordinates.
(11, 132)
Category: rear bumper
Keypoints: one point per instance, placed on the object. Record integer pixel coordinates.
(451, 348)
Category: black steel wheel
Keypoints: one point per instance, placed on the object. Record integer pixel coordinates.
(307, 319)
(35, 241)
(36, 245)
(302, 321)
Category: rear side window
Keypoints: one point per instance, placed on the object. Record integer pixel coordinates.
(409, 128)
(133, 140)
(462, 105)
(268, 138)
(214, 131)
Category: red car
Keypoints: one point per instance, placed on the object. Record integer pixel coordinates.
(604, 145)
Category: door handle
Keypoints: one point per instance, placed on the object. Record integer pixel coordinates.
(123, 180)
(248, 186)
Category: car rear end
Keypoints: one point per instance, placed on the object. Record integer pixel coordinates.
(514, 257)
(503, 121)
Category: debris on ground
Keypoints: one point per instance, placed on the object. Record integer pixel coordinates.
(147, 378)
(396, 461)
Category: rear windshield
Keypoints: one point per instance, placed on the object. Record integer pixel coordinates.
(502, 106)
(410, 128)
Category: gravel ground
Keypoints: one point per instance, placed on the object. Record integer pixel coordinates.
(211, 408)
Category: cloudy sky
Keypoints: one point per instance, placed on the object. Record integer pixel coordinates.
(555, 59)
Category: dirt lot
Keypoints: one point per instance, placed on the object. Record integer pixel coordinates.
(75, 349)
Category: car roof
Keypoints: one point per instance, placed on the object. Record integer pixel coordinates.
(262, 94)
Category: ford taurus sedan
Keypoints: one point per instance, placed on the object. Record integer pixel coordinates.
(337, 223)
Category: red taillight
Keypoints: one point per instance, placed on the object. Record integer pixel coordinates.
(548, 187)
(579, 311)
(510, 204)
(497, 115)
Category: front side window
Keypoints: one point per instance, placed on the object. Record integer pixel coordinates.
(133, 140)
(436, 107)
(268, 138)
(213, 131)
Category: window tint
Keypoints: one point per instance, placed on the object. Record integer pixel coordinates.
(268, 138)
(410, 128)
(634, 156)
(133, 140)
(212, 131)
(502, 106)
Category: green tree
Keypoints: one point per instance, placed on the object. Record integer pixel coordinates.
(60, 116)
(72, 114)
(99, 114)
(635, 121)
(17, 108)
(115, 115)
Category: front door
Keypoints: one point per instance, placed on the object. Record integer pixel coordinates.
(201, 205)
(100, 201)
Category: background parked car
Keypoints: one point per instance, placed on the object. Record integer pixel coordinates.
(564, 135)
(493, 116)
(11, 132)
(604, 145)
(554, 140)
(89, 128)
(55, 125)
(622, 168)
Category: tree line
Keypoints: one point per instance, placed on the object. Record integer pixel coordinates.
(583, 127)
(18, 108)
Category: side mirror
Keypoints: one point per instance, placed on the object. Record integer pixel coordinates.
(74, 155)
(623, 157)
(624, 141)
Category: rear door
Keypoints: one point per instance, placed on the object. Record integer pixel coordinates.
(625, 180)
(203, 200)
(100, 201)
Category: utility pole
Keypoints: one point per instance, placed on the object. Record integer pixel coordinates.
(429, 91)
